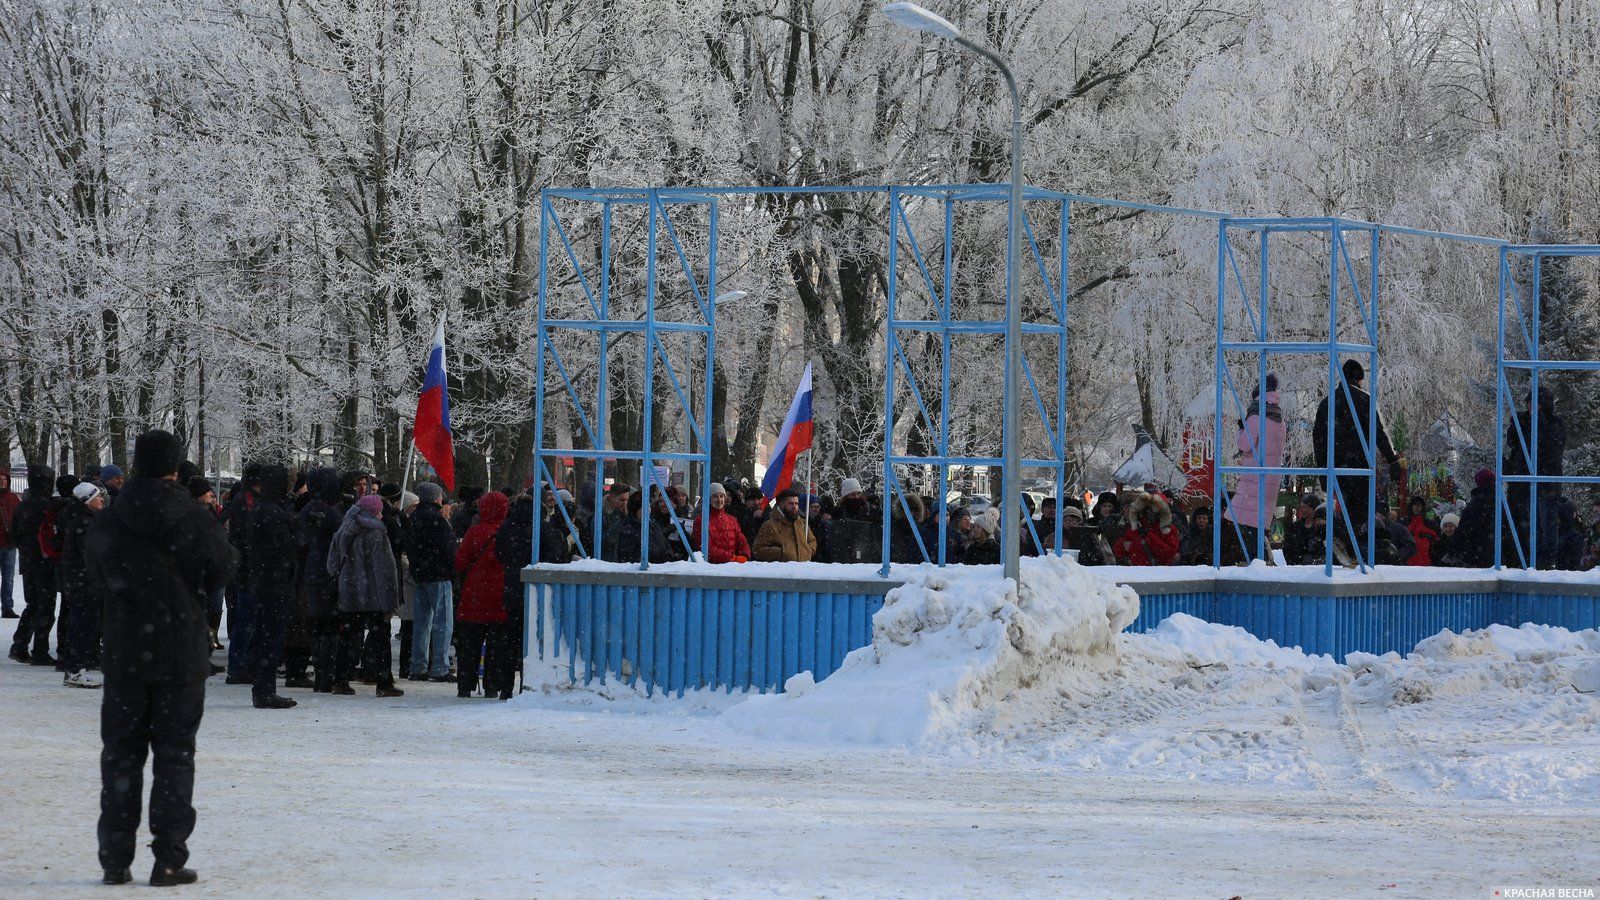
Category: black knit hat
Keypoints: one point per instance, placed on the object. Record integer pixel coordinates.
(199, 487)
(1353, 372)
(65, 484)
(157, 454)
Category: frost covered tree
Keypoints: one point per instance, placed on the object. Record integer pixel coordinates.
(240, 222)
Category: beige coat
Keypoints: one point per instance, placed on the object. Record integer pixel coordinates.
(784, 541)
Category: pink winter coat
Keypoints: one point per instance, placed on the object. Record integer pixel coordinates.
(1246, 501)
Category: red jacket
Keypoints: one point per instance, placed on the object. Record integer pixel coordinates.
(8, 507)
(1424, 535)
(1136, 546)
(727, 538)
(483, 589)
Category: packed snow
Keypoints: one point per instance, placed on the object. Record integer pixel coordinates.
(963, 665)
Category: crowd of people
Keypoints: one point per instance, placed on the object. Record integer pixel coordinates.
(1149, 527)
(325, 563)
(1137, 528)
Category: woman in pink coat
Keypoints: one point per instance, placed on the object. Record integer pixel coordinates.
(1257, 495)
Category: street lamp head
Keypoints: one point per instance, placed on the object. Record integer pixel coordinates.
(914, 17)
(729, 297)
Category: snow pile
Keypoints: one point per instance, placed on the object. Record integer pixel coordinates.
(955, 657)
(1502, 713)
(1529, 643)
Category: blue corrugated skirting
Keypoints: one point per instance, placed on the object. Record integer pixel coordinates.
(675, 639)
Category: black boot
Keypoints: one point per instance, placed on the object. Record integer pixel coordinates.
(389, 690)
(117, 876)
(298, 681)
(272, 701)
(343, 687)
(167, 876)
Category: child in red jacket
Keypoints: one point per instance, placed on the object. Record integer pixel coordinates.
(1151, 538)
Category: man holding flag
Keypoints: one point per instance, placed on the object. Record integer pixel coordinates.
(787, 535)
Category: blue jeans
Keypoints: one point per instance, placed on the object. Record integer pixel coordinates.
(8, 573)
(241, 633)
(432, 621)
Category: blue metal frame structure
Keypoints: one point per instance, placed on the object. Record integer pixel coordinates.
(1344, 275)
(660, 236)
(1057, 291)
(946, 325)
(1527, 443)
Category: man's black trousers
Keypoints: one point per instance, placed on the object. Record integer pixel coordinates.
(137, 720)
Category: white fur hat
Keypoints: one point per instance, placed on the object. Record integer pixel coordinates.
(849, 486)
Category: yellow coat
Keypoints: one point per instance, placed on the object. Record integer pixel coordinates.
(780, 540)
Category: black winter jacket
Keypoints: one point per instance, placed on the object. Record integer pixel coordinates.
(630, 533)
(157, 553)
(1347, 452)
(1552, 447)
(273, 551)
(72, 568)
(433, 545)
(235, 518)
(513, 544)
(1472, 546)
(30, 514)
(981, 553)
(318, 520)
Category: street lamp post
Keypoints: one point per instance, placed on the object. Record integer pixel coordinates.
(914, 17)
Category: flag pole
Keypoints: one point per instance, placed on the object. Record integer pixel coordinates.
(411, 461)
(811, 459)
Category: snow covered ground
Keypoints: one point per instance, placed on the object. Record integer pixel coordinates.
(985, 745)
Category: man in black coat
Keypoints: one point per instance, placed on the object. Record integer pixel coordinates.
(81, 599)
(38, 571)
(433, 558)
(318, 520)
(1552, 448)
(240, 601)
(156, 553)
(1350, 420)
(272, 551)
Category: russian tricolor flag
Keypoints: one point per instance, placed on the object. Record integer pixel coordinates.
(793, 440)
(431, 433)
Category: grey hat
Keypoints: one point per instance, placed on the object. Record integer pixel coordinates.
(428, 492)
(408, 500)
(717, 488)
